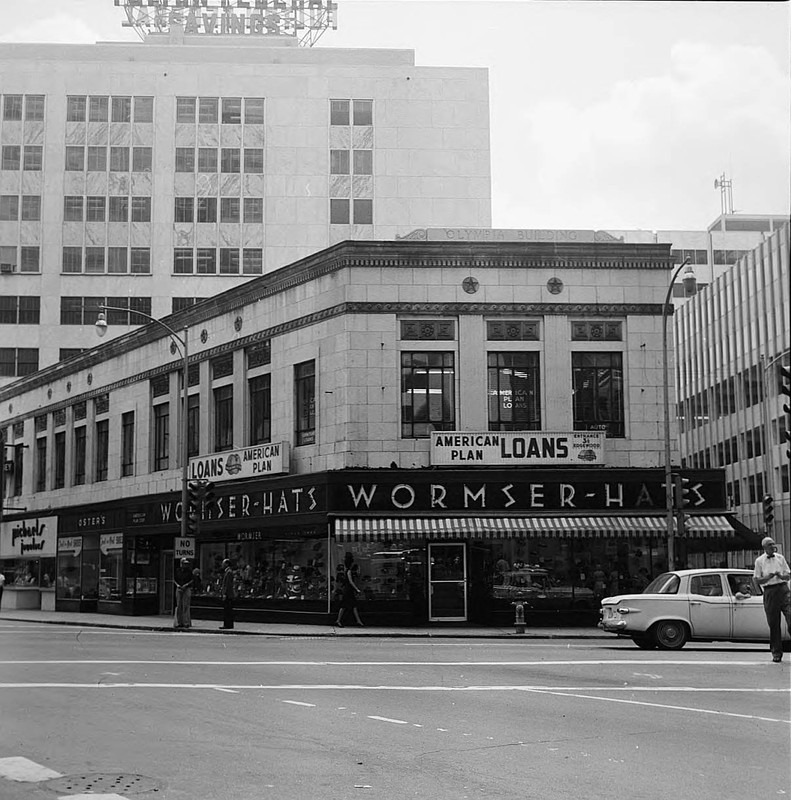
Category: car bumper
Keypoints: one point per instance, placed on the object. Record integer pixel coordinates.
(613, 626)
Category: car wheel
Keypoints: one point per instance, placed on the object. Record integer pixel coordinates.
(670, 634)
(643, 641)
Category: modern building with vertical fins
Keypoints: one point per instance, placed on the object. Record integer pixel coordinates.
(731, 340)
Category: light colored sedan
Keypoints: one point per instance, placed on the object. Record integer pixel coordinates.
(685, 605)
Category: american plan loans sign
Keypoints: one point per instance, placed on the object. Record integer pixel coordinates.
(516, 448)
(251, 462)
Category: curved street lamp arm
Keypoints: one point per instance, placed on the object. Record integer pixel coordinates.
(179, 339)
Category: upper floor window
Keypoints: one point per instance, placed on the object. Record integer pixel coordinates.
(128, 443)
(75, 108)
(121, 109)
(597, 386)
(254, 111)
(260, 409)
(428, 400)
(59, 477)
(102, 445)
(193, 425)
(161, 436)
(79, 455)
(223, 418)
(41, 464)
(34, 107)
(305, 402)
(514, 396)
(232, 110)
(98, 108)
(12, 107)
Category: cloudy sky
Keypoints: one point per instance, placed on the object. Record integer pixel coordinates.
(603, 114)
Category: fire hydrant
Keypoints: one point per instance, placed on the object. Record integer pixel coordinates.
(519, 621)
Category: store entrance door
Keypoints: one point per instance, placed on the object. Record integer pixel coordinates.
(166, 582)
(447, 582)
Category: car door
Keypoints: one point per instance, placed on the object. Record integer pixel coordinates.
(709, 607)
(749, 619)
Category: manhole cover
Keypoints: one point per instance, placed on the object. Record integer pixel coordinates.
(104, 783)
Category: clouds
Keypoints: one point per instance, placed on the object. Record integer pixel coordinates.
(58, 27)
(716, 109)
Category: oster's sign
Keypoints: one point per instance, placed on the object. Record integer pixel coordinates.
(516, 448)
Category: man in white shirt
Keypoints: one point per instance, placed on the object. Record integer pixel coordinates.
(772, 573)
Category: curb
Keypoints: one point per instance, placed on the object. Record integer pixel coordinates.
(320, 632)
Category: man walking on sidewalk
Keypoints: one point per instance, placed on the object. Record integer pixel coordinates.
(226, 592)
(772, 572)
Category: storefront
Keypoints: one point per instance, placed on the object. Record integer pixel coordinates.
(432, 545)
(27, 559)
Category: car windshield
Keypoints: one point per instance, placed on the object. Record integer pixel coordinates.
(666, 583)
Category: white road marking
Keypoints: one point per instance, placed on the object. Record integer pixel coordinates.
(365, 687)
(540, 663)
(297, 703)
(223, 689)
(18, 768)
(387, 719)
(91, 796)
(659, 705)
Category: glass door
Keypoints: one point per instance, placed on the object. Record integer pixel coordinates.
(447, 582)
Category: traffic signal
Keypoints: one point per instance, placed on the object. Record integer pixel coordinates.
(209, 497)
(786, 390)
(195, 492)
(683, 497)
(769, 509)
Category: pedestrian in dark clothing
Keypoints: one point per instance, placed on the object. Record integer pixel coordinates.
(183, 581)
(226, 592)
(349, 591)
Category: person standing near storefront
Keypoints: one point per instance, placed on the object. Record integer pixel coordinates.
(2, 584)
(226, 592)
(772, 572)
(183, 581)
(349, 591)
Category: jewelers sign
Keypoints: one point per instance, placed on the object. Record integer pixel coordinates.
(30, 538)
(251, 462)
(516, 448)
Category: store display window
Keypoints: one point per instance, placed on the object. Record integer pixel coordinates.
(267, 571)
(69, 577)
(29, 572)
(142, 567)
(387, 571)
(110, 565)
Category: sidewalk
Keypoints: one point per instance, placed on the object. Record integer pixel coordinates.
(280, 629)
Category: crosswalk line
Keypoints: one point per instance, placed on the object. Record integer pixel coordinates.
(18, 768)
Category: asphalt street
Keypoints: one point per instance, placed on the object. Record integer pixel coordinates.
(142, 714)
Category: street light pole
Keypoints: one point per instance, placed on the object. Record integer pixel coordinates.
(689, 278)
(182, 340)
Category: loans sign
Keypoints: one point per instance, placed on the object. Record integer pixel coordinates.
(515, 448)
(251, 462)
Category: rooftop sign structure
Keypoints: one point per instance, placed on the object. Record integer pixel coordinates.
(303, 19)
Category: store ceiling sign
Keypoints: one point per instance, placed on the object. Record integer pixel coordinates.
(251, 462)
(30, 538)
(516, 448)
(231, 17)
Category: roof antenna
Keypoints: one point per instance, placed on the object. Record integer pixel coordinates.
(725, 185)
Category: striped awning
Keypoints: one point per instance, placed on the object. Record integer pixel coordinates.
(369, 529)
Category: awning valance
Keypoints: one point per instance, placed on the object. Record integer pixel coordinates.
(369, 529)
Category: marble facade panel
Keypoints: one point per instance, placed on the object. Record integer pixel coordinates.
(207, 185)
(230, 135)
(184, 234)
(142, 184)
(362, 137)
(74, 183)
(75, 133)
(253, 185)
(231, 185)
(340, 186)
(29, 234)
(184, 184)
(340, 137)
(140, 234)
(229, 235)
(118, 183)
(34, 133)
(363, 186)
(142, 135)
(206, 236)
(33, 182)
(118, 234)
(120, 134)
(95, 234)
(252, 235)
(208, 136)
(98, 133)
(254, 136)
(73, 234)
(185, 134)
